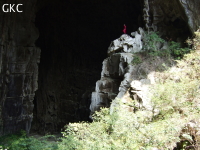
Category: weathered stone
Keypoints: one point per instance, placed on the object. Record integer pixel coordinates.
(142, 97)
(178, 16)
(192, 11)
(19, 60)
(107, 85)
(98, 100)
(134, 82)
(127, 44)
(114, 80)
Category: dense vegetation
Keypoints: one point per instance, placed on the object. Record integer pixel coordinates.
(175, 125)
(20, 141)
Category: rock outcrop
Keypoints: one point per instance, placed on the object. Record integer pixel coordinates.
(124, 80)
(127, 44)
(114, 69)
(117, 71)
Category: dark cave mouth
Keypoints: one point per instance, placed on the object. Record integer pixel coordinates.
(74, 37)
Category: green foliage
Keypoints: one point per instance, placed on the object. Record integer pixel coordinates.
(122, 130)
(21, 142)
(151, 42)
(177, 96)
(136, 60)
(176, 51)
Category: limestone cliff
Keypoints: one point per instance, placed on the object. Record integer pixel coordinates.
(117, 71)
(19, 58)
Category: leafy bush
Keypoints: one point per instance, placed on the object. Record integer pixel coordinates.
(124, 130)
(176, 51)
(21, 142)
(136, 60)
(151, 42)
(178, 95)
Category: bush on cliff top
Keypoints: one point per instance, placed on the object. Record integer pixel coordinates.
(153, 42)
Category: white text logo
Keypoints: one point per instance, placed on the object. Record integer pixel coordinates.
(11, 8)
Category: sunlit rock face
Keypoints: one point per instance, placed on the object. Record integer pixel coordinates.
(127, 44)
(117, 71)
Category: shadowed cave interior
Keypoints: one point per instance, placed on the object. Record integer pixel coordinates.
(74, 38)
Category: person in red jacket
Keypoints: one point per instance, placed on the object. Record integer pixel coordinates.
(124, 30)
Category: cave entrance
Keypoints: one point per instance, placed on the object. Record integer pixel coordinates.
(74, 37)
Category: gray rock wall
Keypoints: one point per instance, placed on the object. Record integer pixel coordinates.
(192, 12)
(117, 69)
(19, 58)
(176, 19)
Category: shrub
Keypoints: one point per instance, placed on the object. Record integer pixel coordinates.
(152, 43)
(123, 130)
(176, 51)
(21, 142)
(136, 60)
(179, 96)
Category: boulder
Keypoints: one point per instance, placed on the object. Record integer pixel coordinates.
(127, 44)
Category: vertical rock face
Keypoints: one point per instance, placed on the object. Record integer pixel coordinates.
(117, 71)
(19, 60)
(192, 11)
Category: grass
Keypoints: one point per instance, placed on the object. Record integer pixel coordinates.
(20, 141)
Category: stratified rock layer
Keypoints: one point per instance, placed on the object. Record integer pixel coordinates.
(117, 71)
(19, 60)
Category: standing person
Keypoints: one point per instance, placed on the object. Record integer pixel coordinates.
(124, 30)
